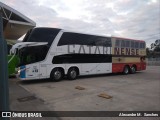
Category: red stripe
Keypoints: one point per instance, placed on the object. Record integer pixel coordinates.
(118, 67)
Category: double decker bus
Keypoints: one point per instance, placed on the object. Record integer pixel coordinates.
(54, 53)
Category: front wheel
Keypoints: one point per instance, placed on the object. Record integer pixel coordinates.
(72, 74)
(126, 70)
(56, 75)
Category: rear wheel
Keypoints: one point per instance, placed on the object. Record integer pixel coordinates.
(72, 73)
(56, 74)
(126, 70)
(133, 69)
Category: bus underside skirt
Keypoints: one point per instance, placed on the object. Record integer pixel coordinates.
(118, 67)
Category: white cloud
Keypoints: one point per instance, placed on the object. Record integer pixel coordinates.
(138, 19)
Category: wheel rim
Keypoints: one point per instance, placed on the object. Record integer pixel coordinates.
(57, 75)
(126, 70)
(133, 70)
(73, 74)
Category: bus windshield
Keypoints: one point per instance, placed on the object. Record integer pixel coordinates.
(41, 35)
(34, 54)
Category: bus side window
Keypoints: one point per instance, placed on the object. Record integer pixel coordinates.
(142, 45)
(123, 43)
(136, 45)
(102, 41)
(118, 43)
(132, 44)
(127, 43)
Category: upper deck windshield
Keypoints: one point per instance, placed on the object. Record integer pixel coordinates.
(34, 54)
(41, 35)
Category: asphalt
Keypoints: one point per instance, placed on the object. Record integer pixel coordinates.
(22, 100)
(134, 92)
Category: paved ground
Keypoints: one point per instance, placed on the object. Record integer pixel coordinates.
(134, 92)
(17, 96)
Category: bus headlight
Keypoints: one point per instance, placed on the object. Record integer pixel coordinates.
(17, 72)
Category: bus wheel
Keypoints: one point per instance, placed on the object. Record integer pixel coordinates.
(56, 74)
(126, 70)
(133, 70)
(72, 74)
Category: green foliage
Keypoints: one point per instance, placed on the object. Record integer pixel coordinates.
(154, 52)
(12, 65)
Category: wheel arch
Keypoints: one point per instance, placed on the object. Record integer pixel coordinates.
(61, 68)
(126, 65)
(134, 65)
(75, 68)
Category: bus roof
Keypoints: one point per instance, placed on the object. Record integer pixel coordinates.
(85, 33)
(64, 30)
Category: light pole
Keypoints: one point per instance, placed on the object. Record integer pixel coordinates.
(4, 90)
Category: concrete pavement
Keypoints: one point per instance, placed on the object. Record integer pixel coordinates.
(134, 92)
(22, 100)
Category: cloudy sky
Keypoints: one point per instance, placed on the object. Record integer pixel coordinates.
(137, 19)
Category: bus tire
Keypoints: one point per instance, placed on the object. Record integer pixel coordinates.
(72, 73)
(56, 74)
(133, 69)
(126, 70)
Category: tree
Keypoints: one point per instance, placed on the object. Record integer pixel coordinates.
(156, 45)
(148, 52)
(155, 49)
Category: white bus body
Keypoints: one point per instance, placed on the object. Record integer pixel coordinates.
(67, 58)
(54, 53)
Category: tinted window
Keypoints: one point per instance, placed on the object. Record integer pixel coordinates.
(142, 45)
(27, 35)
(37, 53)
(32, 54)
(118, 43)
(127, 43)
(136, 44)
(42, 35)
(132, 44)
(102, 41)
(123, 43)
(82, 58)
(83, 39)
